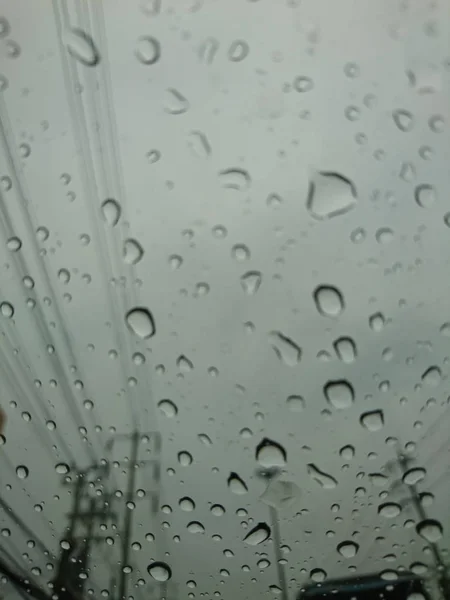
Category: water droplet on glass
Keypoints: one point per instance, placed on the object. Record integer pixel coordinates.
(270, 454)
(81, 46)
(199, 144)
(168, 408)
(64, 276)
(377, 322)
(318, 575)
(236, 484)
(372, 420)
(217, 510)
(22, 472)
(208, 50)
(140, 322)
(176, 103)
(323, 479)
(348, 549)
(205, 439)
(111, 212)
(42, 234)
(235, 179)
(389, 510)
(414, 475)
(263, 563)
(403, 119)
(430, 530)
(295, 403)
(240, 252)
(184, 364)
(345, 349)
(160, 571)
(14, 244)
(425, 195)
(175, 261)
(238, 50)
(259, 534)
(148, 50)
(347, 452)
(184, 458)
(339, 393)
(51, 425)
(329, 300)
(436, 123)
(329, 195)
(285, 348)
(195, 527)
(62, 468)
(186, 504)
(132, 251)
(7, 310)
(251, 282)
(303, 84)
(432, 376)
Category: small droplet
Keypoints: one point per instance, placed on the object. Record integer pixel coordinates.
(425, 195)
(184, 458)
(384, 235)
(285, 348)
(345, 349)
(436, 123)
(140, 322)
(4, 27)
(111, 211)
(160, 571)
(339, 394)
(329, 301)
(318, 575)
(251, 282)
(132, 251)
(430, 530)
(348, 549)
(64, 276)
(62, 468)
(42, 234)
(205, 439)
(295, 403)
(22, 472)
(270, 454)
(7, 310)
(303, 84)
(148, 50)
(81, 46)
(377, 322)
(217, 510)
(175, 261)
(358, 235)
(389, 510)
(186, 504)
(263, 563)
(199, 144)
(330, 195)
(14, 244)
(347, 452)
(51, 425)
(403, 119)
(235, 179)
(238, 50)
(208, 50)
(153, 156)
(372, 420)
(168, 408)
(240, 252)
(184, 364)
(176, 103)
(414, 476)
(323, 479)
(432, 376)
(236, 484)
(195, 527)
(259, 534)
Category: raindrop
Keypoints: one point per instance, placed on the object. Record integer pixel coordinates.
(160, 571)
(184, 458)
(111, 212)
(22, 472)
(377, 322)
(132, 251)
(217, 510)
(168, 408)
(175, 261)
(339, 394)
(323, 479)
(81, 46)
(430, 530)
(64, 276)
(184, 364)
(199, 144)
(348, 549)
(4, 27)
(329, 300)
(432, 376)
(345, 349)
(436, 123)
(286, 349)
(186, 504)
(6, 532)
(153, 156)
(303, 84)
(414, 475)
(148, 50)
(372, 420)
(329, 195)
(236, 484)
(208, 49)
(176, 104)
(403, 119)
(14, 244)
(7, 310)
(195, 527)
(235, 179)
(263, 563)
(205, 439)
(62, 468)
(251, 282)
(270, 454)
(378, 479)
(51, 425)
(140, 322)
(240, 252)
(238, 50)
(389, 510)
(42, 234)
(384, 235)
(425, 195)
(295, 403)
(138, 359)
(259, 534)
(318, 575)
(347, 452)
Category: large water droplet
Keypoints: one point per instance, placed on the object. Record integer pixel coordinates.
(186, 504)
(295, 403)
(81, 46)
(347, 452)
(280, 494)
(148, 50)
(389, 510)
(62, 468)
(372, 420)
(323, 479)
(425, 195)
(140, 321)
(160, 571)
(235, 179)
(348, 549)
(258, 534)
(285, 348)
(14, 244)
(168, 408)
(184, 458)
(430, 529)
(403, 119)
(111, 211)
(345, 349)
(251, 282)
(195, 527)
(132, 251)
(176, 103)
(22, 472)
(270, 454)
(329, 300)
(7, 310)
(414, 475)
(318, 575)
(340, 394)
(329, 195)
(236, 484)
(432, 376)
